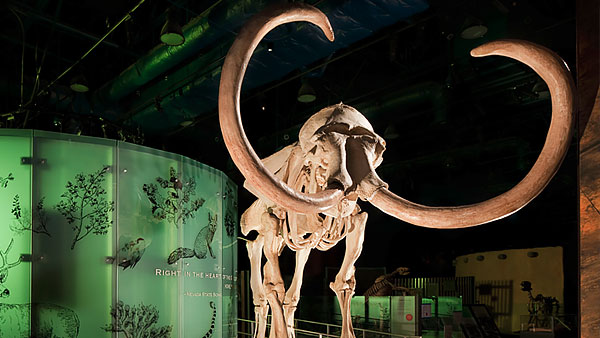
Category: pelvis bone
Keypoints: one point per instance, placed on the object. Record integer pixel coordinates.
(307, 192)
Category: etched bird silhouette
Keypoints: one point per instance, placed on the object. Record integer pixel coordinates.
(131, 253)
(201, 244)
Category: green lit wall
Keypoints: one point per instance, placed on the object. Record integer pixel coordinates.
(101, 238)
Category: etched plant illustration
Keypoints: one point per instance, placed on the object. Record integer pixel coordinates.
(137, 321)
(4, 180)
(231, 317)
(23, 223)
(230, 205)
(229, 224)
(85, 206)
(172, 199)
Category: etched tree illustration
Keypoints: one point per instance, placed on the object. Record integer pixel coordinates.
(136, 321)
(37, 224)
(4, 180)
(85, 207)
(174, 200)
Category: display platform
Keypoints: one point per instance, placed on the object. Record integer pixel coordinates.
(100, 238)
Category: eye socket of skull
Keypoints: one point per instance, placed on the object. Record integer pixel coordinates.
(373, 148)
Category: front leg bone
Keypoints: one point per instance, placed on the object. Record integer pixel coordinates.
(292, 296)
(344, 283)
(261, 307)
(273, 283)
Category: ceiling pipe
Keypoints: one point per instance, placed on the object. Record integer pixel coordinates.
(180, 83)
(199, 33)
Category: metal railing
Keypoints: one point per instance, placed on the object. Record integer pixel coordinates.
(327, 332)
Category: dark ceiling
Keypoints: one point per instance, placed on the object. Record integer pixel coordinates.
(458, 129)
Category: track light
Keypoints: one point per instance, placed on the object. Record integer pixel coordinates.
(306, 94)
(473, 28)
(79, 84)
(171, 33)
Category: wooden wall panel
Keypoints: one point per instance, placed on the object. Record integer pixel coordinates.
(589, 243)
(588, 74)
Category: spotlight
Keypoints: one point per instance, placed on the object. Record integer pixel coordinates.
(306, 94)
(56, 122)
(171, 33)
(270, 46)
(473, 28)
(79, 84)
(473, 32)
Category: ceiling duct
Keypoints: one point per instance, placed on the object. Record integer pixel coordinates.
(199, 33)
(192, 87)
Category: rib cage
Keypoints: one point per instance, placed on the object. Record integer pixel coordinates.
(329, 230)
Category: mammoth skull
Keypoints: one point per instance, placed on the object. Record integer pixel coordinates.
(337, 149)
(339, 145)
(346, 150)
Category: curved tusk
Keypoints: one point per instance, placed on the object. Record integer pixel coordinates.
(237, 144)
(553, 70)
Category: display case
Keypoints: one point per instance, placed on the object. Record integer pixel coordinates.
(101, 238)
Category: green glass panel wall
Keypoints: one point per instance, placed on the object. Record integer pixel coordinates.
(75, 179)
(145, 236)
(107, 234)
(15, 233)
(201, 255)
(229, 230)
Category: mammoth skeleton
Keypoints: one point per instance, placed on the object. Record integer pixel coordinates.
(307, 192)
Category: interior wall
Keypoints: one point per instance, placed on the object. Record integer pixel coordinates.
(588, 88)
(545, 272)
(589, 226)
